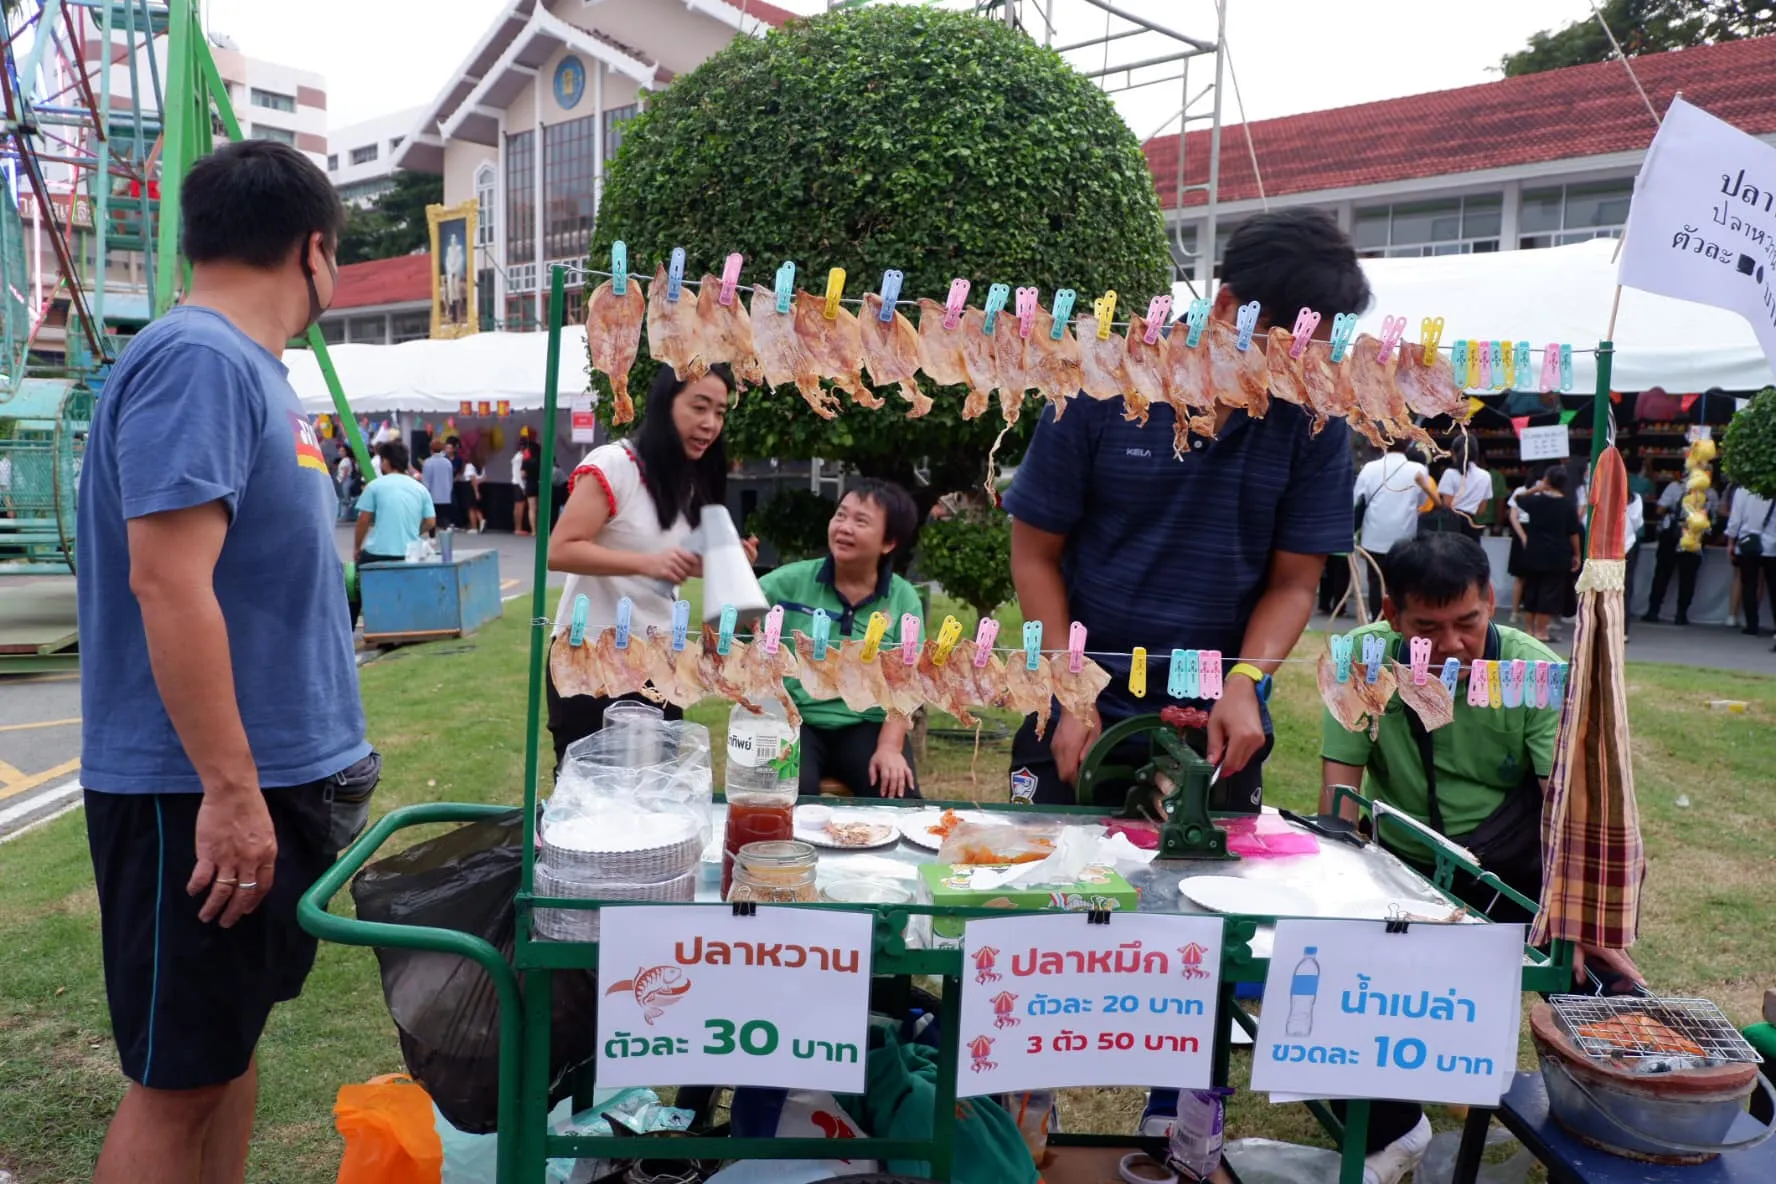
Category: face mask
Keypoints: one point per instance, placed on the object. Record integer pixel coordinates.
(315, 307)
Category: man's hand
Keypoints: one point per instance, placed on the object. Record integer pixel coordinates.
(1606, 963)
(1236, 725)
(236, 854)
(1073, 737)
(890, 773)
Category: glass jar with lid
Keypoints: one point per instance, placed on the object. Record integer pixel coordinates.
(775, 872)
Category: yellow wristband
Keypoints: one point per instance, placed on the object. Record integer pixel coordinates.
(1250, 671)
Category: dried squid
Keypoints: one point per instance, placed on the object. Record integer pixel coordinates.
(1429, 390)
(760, 674)
(860, 683)
(1017, 366)
(781, 355)
(1101, 370)
(1146, 366)
(940, 348)
(674, 330)
(1357, 705)
(1325, 393)
(891, 352)
(1188, 390)
(725, 334)
(906, 689)
(1239, 378)
(947, 687)
(1077, 693)
(1028, 692)
(836, 345)
(1432, 702)
(613, 338)
(819, 679)
(1288, 376)
(1053, 361)
(1371, 383)
(980, 359)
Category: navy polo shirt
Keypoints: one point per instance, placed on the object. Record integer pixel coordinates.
(1172, 552)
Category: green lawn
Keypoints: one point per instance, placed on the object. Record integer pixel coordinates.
(449, 719)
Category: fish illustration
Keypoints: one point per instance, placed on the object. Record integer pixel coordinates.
(655, 988)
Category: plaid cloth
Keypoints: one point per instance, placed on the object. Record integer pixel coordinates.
(1592, 855)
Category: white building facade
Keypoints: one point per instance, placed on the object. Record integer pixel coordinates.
(361, 156)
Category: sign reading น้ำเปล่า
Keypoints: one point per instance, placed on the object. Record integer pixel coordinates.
(699, 996)
(1427, 1015)
(1053, 1001)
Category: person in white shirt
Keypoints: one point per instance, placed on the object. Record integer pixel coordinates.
(471, 478)
(1391, 490)
(1633, 523)
(1465, 487)
(1668, 559)
(520, 504)
(1751, 541)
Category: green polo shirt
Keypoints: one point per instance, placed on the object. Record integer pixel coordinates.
(1480, 757)
(803, 587)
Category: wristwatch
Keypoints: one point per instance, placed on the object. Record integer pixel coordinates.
(1259, 679)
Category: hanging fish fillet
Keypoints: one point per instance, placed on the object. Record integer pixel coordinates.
(940, 349)
(1146, 366)
(613, 338)
(1430, 390)
(891, 351)
(1239, 378)
(1077, 693)
(836, 346)
(1432, 702)
(781, 354)
(673, 330)
(1101, 370)
(725, 334)
(1188, 390)
(981, 361)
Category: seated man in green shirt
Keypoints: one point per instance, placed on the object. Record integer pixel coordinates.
(867, 751)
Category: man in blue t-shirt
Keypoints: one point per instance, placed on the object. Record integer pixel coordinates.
(1218, 549)
(223, 749)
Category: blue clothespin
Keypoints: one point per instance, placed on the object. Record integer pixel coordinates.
(625, 613)
(681, 623)
(1192, 674)
(1566, 367)
(1344, 329)
(1033, 644)
(1452, 672)
(1458, 362)
(1177, 681)
(822, 634)
(1525, 380)
(577, 634)
(675, 274)
(619, 267)
(1197, 317)
(785, 286)
(891, 280)
(1511, 682)
(1248, 322)
(1374, 650)
(997, 295)
(1557, 673)
(1342, 644)
(730, 615)
(1063, 311)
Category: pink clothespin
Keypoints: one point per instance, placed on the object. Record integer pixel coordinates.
(1477, 693)
(1551, 373)
(773, 628)
(1421, 660)
(1541, 684)
(1306, 321)
(1026, 311)
(1211, 674)
(909, 638)
(984, 637)
(958, 300)
(1076, 647)
(1159, 309)
(730, 278)
(1391, 330)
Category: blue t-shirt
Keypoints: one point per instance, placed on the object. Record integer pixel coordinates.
(1172, 553)
(439, 475)
(196, 412)
(401, 506)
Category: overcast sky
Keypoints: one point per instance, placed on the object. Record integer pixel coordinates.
(1290, 55)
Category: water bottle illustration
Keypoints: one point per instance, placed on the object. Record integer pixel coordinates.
(1303, 987)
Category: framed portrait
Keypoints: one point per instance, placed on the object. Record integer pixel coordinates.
(454, 309)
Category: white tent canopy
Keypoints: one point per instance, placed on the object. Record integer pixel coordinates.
(1563, 294)
(437, 376)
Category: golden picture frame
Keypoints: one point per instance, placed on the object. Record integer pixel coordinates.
(455, 311)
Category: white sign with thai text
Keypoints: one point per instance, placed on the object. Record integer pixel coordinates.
(1051, 1001)
(582, 420)
(699, 996)
(1549, 443)
(1353, 1011)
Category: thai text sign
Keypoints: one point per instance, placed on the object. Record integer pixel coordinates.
(583, 421)
(1353, 1011)
(1052, 1001)
(1548, 443)
(699, 996)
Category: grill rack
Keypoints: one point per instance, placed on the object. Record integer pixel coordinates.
(1698, 1020)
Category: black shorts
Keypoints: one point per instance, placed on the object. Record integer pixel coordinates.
(188, 1000)
(1035, 780)
(844, 754)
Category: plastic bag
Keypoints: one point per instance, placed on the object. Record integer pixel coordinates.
(997, 843)
(657, 766)
(444, 1007)
(389, 1137)
(798, 1114)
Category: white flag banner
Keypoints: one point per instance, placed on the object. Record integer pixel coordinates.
(1703, 223)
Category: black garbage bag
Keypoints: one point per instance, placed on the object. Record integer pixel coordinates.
(444, 1006)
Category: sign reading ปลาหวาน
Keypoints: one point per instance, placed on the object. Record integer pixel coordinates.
(1353, 1011)
(699, 996)
(1050, 1001)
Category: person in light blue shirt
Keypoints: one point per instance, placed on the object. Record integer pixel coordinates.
(393, 511)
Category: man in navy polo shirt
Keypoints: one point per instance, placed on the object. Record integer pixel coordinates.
(1220, 549)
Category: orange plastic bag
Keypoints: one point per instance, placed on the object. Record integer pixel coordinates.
(389, 1134)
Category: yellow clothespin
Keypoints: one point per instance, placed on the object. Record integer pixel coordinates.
(1473, 364)
(1495, 693)
(1138, 673)
(835, 288)
(1104, 308)
(872, 638)
(1430, 330)
(947, 637)
(1508, 360)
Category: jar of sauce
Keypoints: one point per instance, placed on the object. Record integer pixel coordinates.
(777, 872)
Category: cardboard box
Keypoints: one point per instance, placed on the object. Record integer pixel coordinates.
(1097, 888)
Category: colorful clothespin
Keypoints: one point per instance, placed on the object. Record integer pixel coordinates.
(1033, 645)
(909, 638)
(1474, 352)
(1306, 321)
(948, 634)
(956, 302)
(1026, 311)
(620, 267)
(1477, 696)
(891, 280)
(1557, 685)
(1488, 351)
(835, 289)
(1508, 363)
(1420, 649)
(681, 624)
(1512, 678)
(1566, 367)
(576, 635)
(1176, 683)
(1076, 647)
(625, 614)
(675, 275)
(1197, 318)
(1551, 367)
(785, 286)
(822, 634)
(1192, 674)
(985, 634)
(1342, 644)
(1158, 309)
(729, 618)
(997, 295)
(1499, 350)
(1344, 329)
(1458, 362)
(1104, 309)
(872, 636)
(1539, 677)
(1391, 330)
(1211, 674)
(1525, 375)
(1430, 332)
(730, 278)
(774, 629)
(1452, 672)
(1246, 320)
(1063, 311)
(1495, 696)
(1374, 650)
(1138, 672)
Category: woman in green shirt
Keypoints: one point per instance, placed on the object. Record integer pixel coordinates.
(874, 522)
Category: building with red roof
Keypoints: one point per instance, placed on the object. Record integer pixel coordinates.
(382, 302)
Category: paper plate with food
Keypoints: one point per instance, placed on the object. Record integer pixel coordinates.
(929, 828)
(844, 830)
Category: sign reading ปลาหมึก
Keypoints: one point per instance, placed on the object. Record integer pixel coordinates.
(1050, 1001)
(699, 996)
(1353, 1011)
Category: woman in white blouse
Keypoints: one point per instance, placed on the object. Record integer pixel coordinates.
(1465, 487)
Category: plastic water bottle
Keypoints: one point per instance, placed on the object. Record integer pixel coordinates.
(763, 776)
(446, 537)
(1303, 988)
(1193, 1149)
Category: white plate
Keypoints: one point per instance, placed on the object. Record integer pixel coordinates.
(880, 833)
(1258, 898)
(917, 824)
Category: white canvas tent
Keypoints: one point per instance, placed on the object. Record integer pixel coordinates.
(434, 377)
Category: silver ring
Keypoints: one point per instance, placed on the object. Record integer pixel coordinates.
(250, 886)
